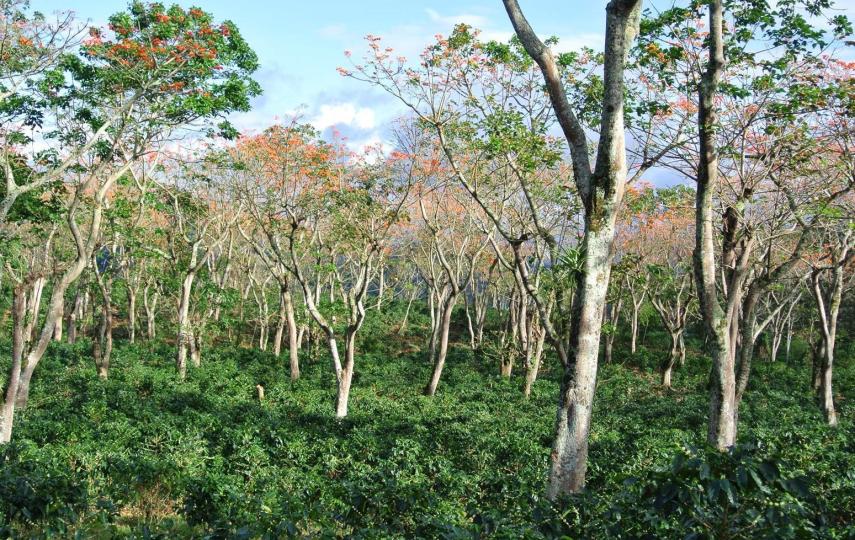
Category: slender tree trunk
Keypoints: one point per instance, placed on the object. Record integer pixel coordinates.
(825, 389)
(673, 358)
(777, 338)
(345, 376)
(523, 321)
(480, 319)
(83, 316)
(436, 303)
(73, 314)
(150, 313)
(293, 336)
(613, 317)
(304, 333)
(280, 325)
(531, 374)
(444, 326)
(57, 329)
(789, 337)
(132, 315)
(469, 325)
(747, 342)
(381, 289)
(403, 325)
(103, 344)
(18, 322)
(195, 343)
(33, 308)
(506, 365)
(100, 348)
(184, 330)
(829, 308)
(633, 344)
(721, 430)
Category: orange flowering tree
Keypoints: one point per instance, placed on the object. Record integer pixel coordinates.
(96, 114)
(279, 175)
(319, 213)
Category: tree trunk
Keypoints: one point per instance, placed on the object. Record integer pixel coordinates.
(102, 346)
(293, 337)
(634, 329)
(184, 331)
(721, 430)
(436, 303)
(569, 459)
(673, 359)
(57, 329)
(132, 315)
(444, 327)
(480, 319)
(613, 317)
(469, 325)
(601, 190)
(33, 308)
(829, 309)
(747, 340)
(403, 325)
(381, 289)
(825, 390)
(789, 337)
(531, 374)
(345, 377)
(523, 321)
(103, 343)
(195, 343)
(280, 325)
(18, 321)
(73, 314)
(304, 333)
(150, 305)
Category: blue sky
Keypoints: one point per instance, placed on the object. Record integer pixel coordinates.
(301, 43)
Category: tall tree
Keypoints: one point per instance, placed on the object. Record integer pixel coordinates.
(601, 189)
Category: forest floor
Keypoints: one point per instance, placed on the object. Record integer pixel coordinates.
(144, 455)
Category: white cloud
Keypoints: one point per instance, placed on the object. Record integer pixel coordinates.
(344, 113)
(367, 145)
(575, 42)
(333, 31)
(477, 21)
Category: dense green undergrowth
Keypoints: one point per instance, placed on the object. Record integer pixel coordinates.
(143, 455)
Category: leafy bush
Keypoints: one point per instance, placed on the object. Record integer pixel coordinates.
(143, 455)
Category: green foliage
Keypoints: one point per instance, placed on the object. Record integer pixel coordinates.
(183, 63)
(143, 455)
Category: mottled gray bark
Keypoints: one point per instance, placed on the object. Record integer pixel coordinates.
(601, 190)
(442, 351)
(18, 319)
(721, 429)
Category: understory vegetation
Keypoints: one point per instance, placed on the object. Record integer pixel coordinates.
(144, 455)
(515, 288)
